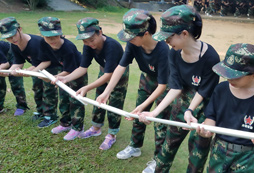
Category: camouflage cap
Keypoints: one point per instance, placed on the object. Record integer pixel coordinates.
(8, 27)
(135, 22)
(87, 27)
(175, 20)
(238, 59)
(50, 26)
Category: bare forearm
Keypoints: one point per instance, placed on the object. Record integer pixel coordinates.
(76, 74)
(100, 81)
(197, 99)
(5, 65)
(42, 66)
(15, 66)
(114, 79)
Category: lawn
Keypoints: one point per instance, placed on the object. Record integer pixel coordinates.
(26, 148)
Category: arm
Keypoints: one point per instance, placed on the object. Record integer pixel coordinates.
(4, 66)
(117, 74)
(14, 67)
(197, 99)
(102, 80)
(42, 66)
(77, 73)
(63, 73)
(157, 92)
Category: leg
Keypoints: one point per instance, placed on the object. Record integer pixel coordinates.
(18, 90)
(2, 92)
(38, 94)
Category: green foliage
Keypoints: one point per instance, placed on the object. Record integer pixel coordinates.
(33, 4)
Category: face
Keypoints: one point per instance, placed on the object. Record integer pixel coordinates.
(16, 39)
(94, 41)
(242, 82)
(54, 41)
(137, 41)
(175, 41)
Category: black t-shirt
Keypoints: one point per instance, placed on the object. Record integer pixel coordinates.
(231, 112)
(154, 64)
(108, 58)
(197, 75)
(31, 53)
(4, 48)
(67, 56)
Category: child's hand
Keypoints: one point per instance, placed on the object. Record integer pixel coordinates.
(143, 115)
(189, 118)
(204, 133)
(82, 91)
(103, 98)
(252, 141)
(62, 79)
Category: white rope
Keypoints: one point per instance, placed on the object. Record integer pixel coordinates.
(214, 129)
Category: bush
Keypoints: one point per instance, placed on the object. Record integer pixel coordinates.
(99, 3)
(35, 3)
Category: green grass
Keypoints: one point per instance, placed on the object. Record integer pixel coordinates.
(26, 148)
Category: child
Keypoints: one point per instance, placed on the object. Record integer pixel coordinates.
(152, 59)
(26, 47)
(63, 55)
(231, 106)
(17, 87)
(191, 81)
(107, 52)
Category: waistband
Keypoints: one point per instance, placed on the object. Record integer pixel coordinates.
(235, 147)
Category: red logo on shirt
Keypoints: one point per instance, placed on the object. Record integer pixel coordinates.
(196, 80)
(248, 122)
(151, 68)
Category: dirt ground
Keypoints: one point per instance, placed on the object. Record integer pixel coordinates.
(220, 34)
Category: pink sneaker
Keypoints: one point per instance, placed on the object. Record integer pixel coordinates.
(108, 142)
(60, 129)
(89, 133)
(72, 135)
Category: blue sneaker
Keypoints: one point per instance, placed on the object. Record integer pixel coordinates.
(46, 122)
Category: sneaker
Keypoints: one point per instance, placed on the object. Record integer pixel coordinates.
(19, 112)
(46, 122)
(2, 110)
(37, 116)
(89, 133)
(72, 135)
(150, 167)
(60, 129)
(108, 142)
(128, 152)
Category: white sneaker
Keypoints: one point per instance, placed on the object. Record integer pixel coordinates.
(128, 152)
(150, 167)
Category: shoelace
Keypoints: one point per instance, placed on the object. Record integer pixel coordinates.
(150, 162)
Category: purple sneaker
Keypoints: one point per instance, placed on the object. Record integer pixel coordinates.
(19, 112)
(108, 142)
(89, 133)
(60, 129)
(72, 135)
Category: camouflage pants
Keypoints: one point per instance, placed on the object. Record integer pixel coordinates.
(72, 110)
(18, 90)
(226, 160)
(46, 95)
(146, 87)
(197, 145)
(116, 99)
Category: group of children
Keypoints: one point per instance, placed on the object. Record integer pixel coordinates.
(223, 7)
(182, 81)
